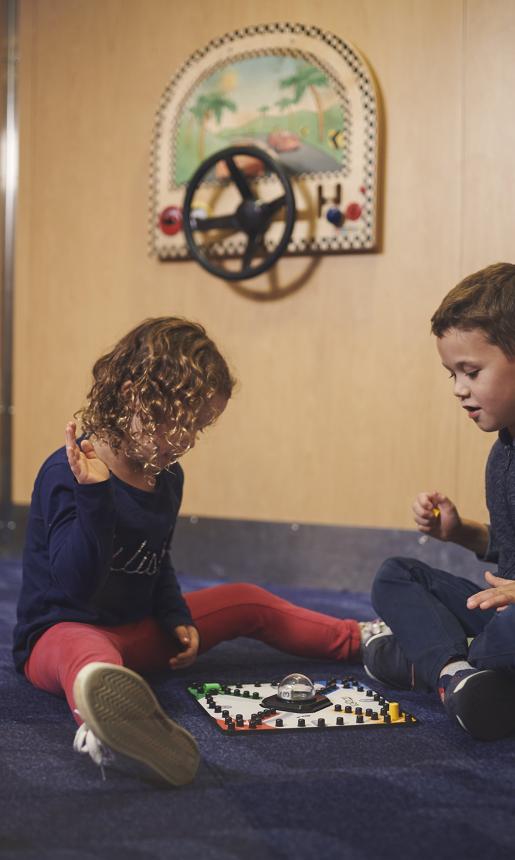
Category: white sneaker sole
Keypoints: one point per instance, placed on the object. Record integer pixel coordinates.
(122, 711)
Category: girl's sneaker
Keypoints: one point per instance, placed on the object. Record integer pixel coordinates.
(372, 628)
(125, 727)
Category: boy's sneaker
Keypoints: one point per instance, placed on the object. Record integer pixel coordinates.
(482, 701)
(124, 727)
(385, 662)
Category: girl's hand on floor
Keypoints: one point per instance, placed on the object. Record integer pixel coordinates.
(436, 516)
(84, 463)
(189, 641)
(499, 596)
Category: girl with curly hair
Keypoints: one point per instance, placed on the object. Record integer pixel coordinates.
(100, 604)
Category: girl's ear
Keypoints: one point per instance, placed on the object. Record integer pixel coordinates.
(126, 387)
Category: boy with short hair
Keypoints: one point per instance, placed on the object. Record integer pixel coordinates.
(432, 613)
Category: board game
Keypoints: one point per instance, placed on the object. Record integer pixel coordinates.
(333, 704)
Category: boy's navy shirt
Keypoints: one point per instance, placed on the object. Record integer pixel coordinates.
(97, 554)
(500, 499)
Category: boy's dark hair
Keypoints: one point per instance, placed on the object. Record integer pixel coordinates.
(484, 300)
(165, 373)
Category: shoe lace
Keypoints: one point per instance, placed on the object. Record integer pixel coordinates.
(86, 743)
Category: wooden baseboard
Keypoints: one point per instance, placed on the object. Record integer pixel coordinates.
(333, 557)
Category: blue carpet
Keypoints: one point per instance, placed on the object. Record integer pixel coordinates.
(424, 792)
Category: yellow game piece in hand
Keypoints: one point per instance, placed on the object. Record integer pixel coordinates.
(436, 512)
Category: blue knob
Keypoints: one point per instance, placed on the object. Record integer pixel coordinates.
(335, 216)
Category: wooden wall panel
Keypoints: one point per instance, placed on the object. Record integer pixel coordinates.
(343, 412)
(488, 219)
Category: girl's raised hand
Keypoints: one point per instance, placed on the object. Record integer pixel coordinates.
(436, 515)
(84, 463)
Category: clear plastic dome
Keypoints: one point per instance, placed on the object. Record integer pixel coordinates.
(296, 688)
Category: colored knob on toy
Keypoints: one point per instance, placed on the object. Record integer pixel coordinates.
(170, 220)
(335, 216)
(353, 211)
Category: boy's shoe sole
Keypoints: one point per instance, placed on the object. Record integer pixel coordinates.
(123, 713)
(483, 703)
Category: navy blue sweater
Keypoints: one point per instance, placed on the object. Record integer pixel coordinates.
(500, 498)
(98, 554)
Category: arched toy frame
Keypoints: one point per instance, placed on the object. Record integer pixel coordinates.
(305, 97)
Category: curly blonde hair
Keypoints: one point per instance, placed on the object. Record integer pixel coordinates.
(160, 378)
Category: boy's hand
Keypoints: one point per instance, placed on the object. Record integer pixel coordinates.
(499, 596)
(84, 463)
(436, 515)
(189, 641)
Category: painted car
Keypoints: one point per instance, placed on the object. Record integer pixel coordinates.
(283, 140)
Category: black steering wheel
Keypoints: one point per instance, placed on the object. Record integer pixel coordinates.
(252, 216)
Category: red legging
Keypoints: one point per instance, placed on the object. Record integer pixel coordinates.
(220, 613)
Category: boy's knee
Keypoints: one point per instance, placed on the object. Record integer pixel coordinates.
(393, 570)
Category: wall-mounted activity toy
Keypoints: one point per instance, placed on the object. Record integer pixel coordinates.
(266, 143)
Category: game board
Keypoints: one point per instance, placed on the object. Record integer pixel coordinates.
(255, 707)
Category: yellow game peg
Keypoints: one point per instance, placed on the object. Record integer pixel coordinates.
(393, 710)
(436, 512)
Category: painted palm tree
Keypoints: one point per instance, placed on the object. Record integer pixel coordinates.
(206, 106)
(283, 104)
(308, 78)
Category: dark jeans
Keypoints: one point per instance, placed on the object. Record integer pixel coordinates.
(427, 611)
